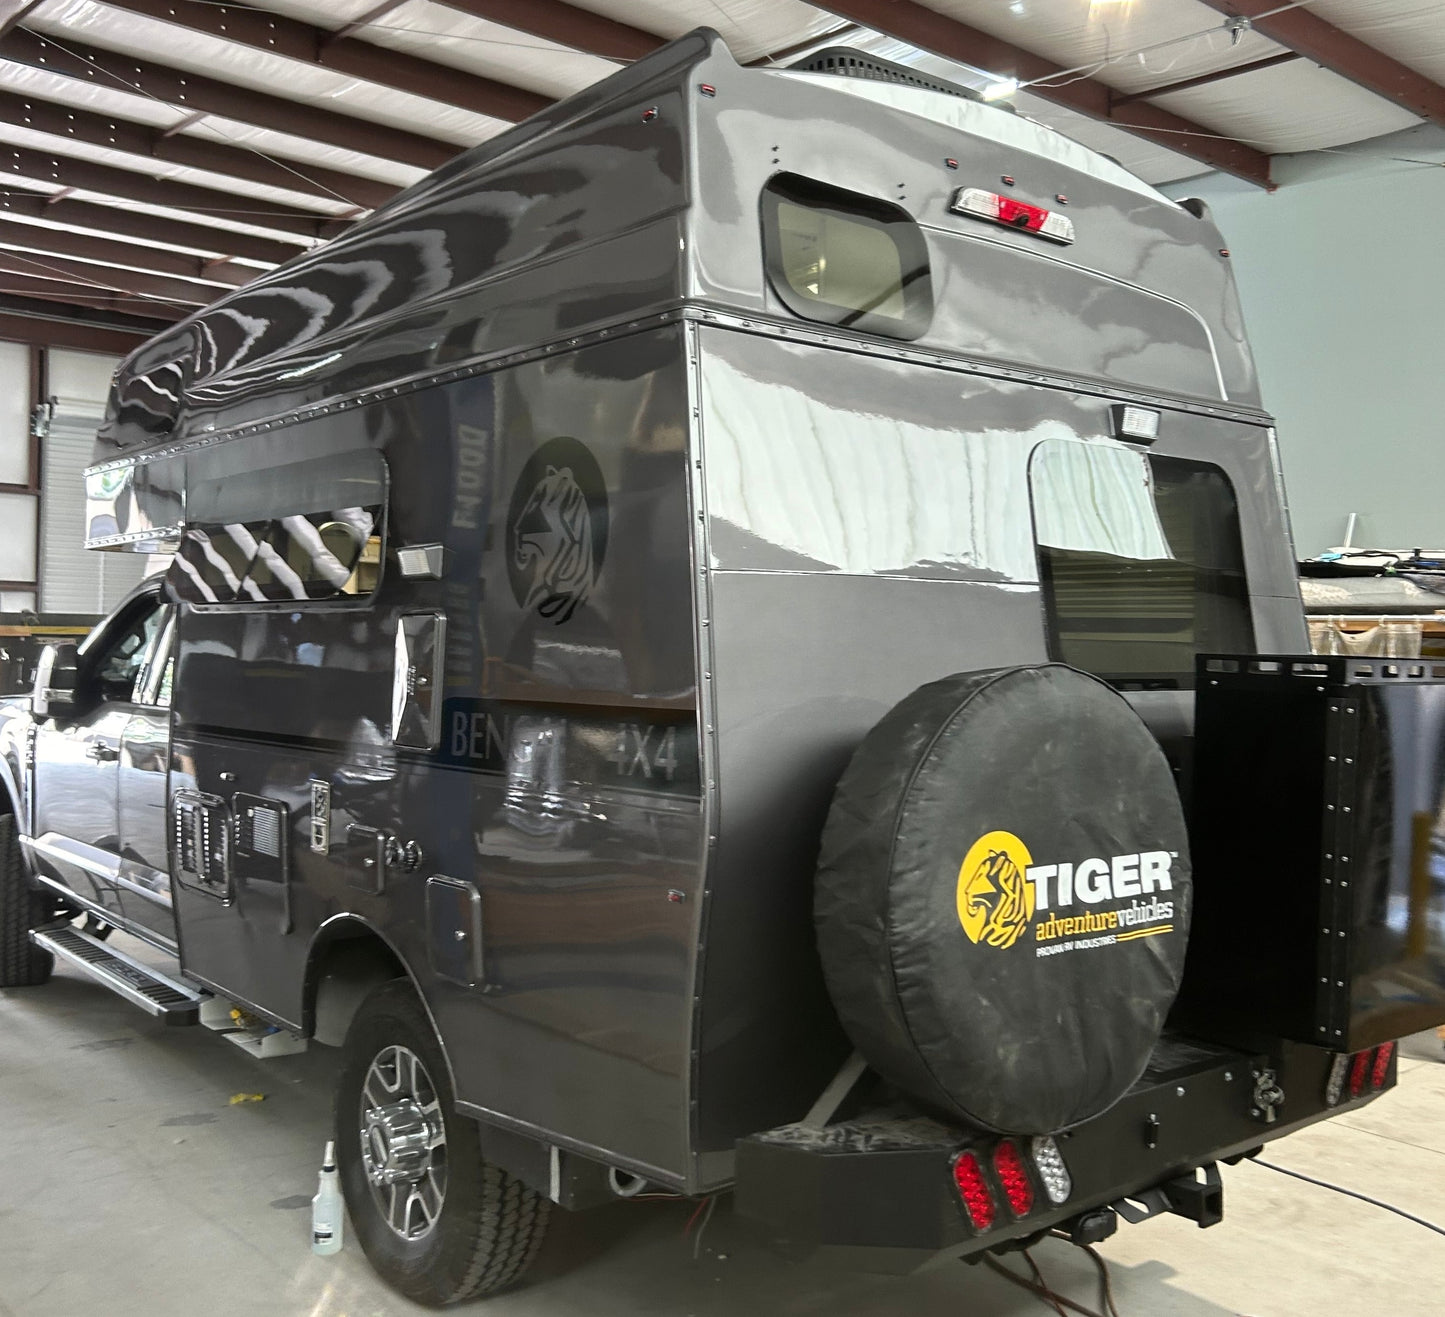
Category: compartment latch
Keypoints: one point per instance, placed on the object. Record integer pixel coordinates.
(1268, 1096)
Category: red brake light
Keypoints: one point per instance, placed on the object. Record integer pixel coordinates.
(973, 1189)
(1013, 214)
(1014, 1176)
(1359, 1068)
(1381, 1068)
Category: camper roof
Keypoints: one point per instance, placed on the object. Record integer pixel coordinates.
(989, 122)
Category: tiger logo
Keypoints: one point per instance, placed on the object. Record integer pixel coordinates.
(557, 530)
(995, 900)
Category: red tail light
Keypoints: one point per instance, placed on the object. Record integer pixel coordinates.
(1359, 1068)
(1014, 1176)
(1381, 1068)
(973, 1190)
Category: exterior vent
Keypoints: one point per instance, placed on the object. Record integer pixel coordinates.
(849, 63)
(262, 860)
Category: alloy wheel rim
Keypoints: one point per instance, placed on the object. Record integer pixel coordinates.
(403, 1142)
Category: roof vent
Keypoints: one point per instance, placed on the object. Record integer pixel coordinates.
(849, 63)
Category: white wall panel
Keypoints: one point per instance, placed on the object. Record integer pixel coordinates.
(74, 579)
(80, 381)
(14, 414)
(1344, 318)
(17, 537)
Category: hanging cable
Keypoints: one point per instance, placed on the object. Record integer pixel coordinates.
(137, 89)
(1351, 1193)
(1040, 1289)
(1229, 25)
(705, 1210)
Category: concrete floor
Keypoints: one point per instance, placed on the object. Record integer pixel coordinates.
(129, 1184)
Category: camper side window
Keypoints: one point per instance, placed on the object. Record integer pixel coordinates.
(312, 556)
(318, 556)
(846, 259)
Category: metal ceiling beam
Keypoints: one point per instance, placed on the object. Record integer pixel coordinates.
(12, 12)
(43, 325)
(566, 25)
(930, 30)
(130, 185)
(156, 260)
(58, 290)
(192, 91)
(278, 35)
(160, 144)
(145, 228)
(108, 279)
(1205, 79)
(1336, 50)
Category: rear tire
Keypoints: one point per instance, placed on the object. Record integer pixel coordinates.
(22, 964)
(469, 1228)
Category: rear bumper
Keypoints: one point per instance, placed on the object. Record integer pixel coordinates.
(882, 1190)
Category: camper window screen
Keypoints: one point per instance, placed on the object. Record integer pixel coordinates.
(1140, 562)
(846, 259)
(317, 556)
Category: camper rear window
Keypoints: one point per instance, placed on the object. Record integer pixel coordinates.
(1140, 562)
(316, 556)
(846, 259)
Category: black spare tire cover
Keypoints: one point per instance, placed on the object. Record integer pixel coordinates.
(1003, 897)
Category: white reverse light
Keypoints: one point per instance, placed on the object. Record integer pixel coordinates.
(1058, 1183)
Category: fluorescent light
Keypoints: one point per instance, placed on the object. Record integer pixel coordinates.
(997, 91)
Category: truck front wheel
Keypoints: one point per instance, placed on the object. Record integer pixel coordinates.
(436, 1221)
(22, 964)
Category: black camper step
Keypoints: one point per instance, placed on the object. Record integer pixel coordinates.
(163, 997)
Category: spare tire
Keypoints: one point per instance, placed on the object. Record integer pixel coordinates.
(1003, 897)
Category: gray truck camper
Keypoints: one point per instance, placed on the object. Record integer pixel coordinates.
(741, 634)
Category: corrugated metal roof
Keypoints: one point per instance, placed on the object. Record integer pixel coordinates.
(119, 86)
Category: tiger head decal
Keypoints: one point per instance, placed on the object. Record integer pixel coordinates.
(995, 899)
(557, 530)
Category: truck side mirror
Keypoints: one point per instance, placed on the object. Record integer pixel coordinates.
(57, 680)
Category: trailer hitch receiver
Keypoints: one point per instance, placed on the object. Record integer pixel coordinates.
(1199, 1199)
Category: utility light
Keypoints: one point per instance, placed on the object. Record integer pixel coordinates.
(1012, 214)
(1138, 423)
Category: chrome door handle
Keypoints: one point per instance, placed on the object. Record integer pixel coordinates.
(101, 753)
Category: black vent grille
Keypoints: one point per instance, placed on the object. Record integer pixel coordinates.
(259, 827)
(849, 63)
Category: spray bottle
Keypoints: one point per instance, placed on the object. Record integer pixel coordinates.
(328, 1221)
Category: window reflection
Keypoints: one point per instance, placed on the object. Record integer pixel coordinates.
(322, 555)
